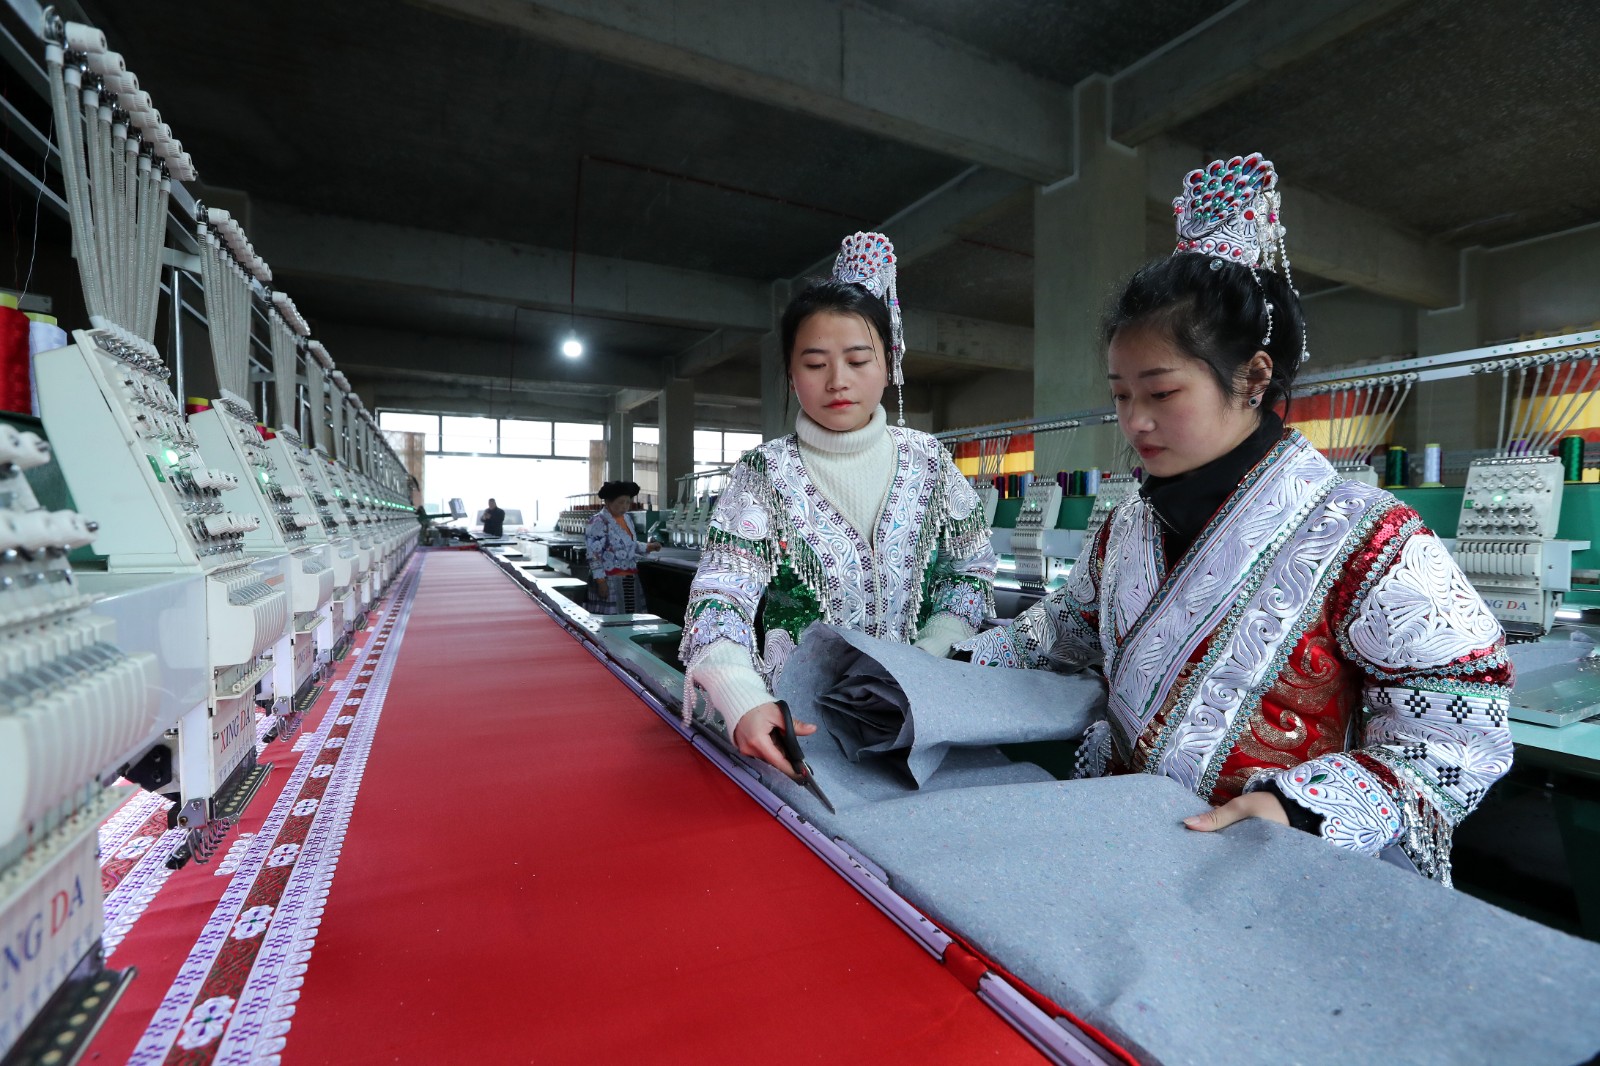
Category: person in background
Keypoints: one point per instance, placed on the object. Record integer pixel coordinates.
(848, 520)
(614, 553)
(1284, 642)
(494, 520)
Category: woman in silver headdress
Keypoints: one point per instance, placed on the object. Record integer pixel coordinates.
(848, 520)
(1286, 643)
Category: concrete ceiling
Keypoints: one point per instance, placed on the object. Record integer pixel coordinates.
(1064, 42)
(1470, 121)
(633, 132)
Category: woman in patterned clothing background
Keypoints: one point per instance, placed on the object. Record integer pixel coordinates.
(614, 552)
(1287, 643)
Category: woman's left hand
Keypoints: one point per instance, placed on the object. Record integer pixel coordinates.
(653, 546)
(1263, 805)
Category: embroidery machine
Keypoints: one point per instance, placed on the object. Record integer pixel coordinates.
(1510, 510)
(144, 654)
(689, 522)
(1035, 541)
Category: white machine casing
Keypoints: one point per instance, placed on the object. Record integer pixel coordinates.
(1041, 507)
(125, 450)
(273, 492)
(1506, 540)
(73, 707)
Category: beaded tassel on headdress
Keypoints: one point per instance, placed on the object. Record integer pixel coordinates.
(867, 259)
(1231, 210)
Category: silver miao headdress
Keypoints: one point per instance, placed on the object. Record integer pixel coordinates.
(1232, 211)
(867, 259)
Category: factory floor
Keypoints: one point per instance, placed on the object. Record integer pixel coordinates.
(487, 849)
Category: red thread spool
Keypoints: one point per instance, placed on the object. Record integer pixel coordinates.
(16, 393)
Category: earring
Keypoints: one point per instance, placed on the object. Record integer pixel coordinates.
(1254, 401)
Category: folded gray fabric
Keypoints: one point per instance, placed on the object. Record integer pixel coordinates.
(865, 710)
(1256, 944)
(881, 697)
(852, 787)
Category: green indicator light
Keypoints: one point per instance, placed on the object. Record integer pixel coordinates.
(172, 457)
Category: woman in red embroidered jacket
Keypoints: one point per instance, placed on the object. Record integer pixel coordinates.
(1287, 643)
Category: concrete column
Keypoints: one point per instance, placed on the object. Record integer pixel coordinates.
(619, 446)
(1089, 235)
(676, 407)
(1435, 414)
(777, 406)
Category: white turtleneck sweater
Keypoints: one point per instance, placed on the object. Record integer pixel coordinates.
(853, 470)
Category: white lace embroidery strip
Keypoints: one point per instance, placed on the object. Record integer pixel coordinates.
(1250, 651)
(1144, 669)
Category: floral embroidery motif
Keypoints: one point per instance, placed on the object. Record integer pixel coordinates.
(322, 769)
(206, 1022)
(303, 808)
(284, 855)
(1357, 814)
(252, 922)
(135, 847)
(751, 522)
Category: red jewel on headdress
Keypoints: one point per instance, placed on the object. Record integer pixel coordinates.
(1249, 216)
(1237, 252)
(1223, 247)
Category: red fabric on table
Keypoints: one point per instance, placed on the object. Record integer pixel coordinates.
(160, 941)
(539, 870)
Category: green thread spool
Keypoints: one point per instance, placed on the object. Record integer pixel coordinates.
(1395, 467)
(1572, 458)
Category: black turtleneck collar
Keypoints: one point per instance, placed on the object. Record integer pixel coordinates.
(1186, 502)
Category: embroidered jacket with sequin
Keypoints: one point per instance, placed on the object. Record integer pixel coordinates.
(780, 556)
(1316, 635)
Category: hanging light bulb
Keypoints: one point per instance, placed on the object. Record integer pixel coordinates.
(572, 347)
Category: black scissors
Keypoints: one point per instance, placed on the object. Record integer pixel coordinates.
(786, 739)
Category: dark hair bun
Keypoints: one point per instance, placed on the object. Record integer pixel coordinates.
(612, 489)
(1216, 311)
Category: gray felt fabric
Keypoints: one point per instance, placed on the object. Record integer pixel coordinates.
(1256, 944)
(854, 787)
(949, 704)
(1259, 944)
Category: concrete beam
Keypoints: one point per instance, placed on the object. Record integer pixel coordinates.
(437, 397)
(308, 246)
(964, 203)
(1342, 243)
(1231, 52)
(1327, 237)
(847, 63)
(969, 341)
(385, 351)
(714, 350)
(627, 399)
